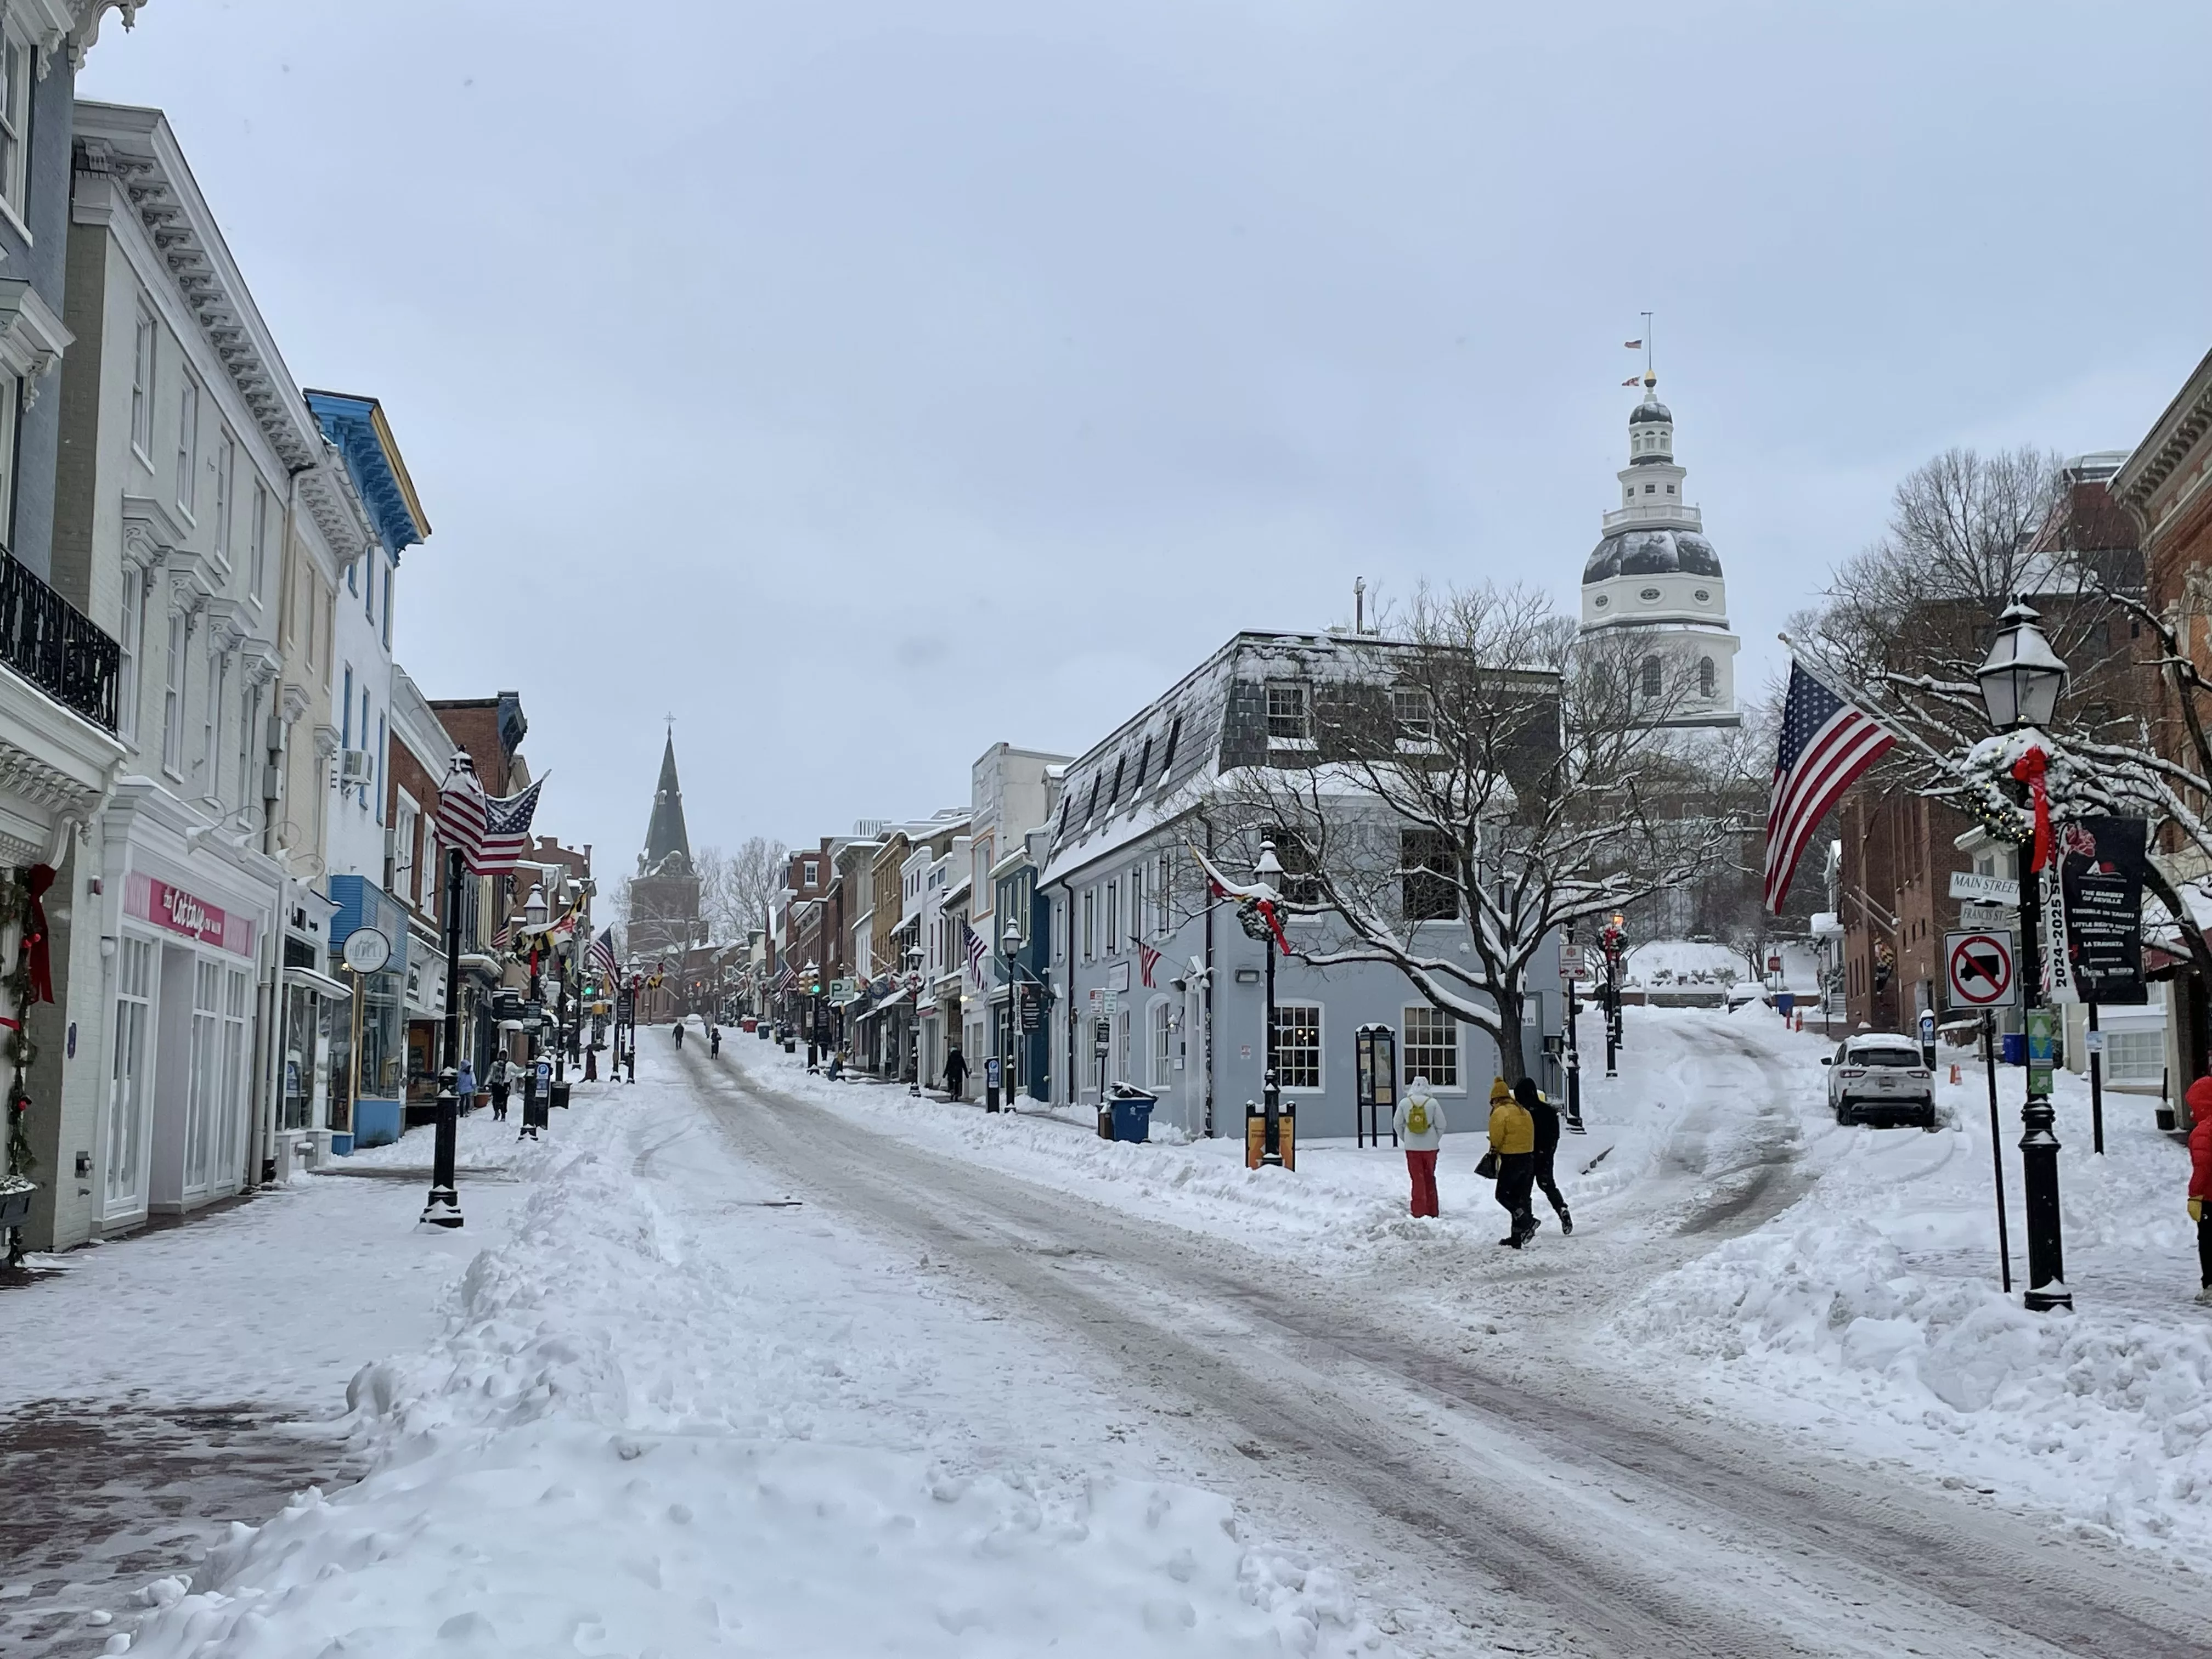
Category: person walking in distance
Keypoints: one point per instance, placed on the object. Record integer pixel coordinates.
(1420, 1122)
(679, 1034)
(1546, 1116)
(2200, 1178)
(1513, 1143)
(714, 1042)
(465, 1086)
(500, 1079)
(956, 1073)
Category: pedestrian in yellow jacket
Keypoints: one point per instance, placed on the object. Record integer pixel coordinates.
(1513, 1139)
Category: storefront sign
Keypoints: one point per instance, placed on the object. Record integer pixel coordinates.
(151, 899)
(2101, 876)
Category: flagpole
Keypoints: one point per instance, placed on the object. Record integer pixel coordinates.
(443, 1208)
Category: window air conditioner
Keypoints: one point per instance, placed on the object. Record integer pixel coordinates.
(353, 767)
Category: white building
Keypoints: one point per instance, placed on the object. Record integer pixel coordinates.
(191, 463)
(1655, 581)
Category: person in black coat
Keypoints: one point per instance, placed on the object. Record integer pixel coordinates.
(1546, 1116)
(956, 1073)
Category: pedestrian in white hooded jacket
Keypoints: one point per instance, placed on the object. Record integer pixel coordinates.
(1420, 1122)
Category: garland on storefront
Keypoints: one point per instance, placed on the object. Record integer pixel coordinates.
(18, 907)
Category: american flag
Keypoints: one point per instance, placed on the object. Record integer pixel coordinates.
(505, 937)
(603, 955)
(493, 835)
(973, 943)
(1826, 744)
(1147, 959)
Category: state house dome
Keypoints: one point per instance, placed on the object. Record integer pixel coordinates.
(1657, 552)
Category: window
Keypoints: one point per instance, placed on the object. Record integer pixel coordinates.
(1120, 761)
(810, 871)
(1298, 883)
(257, 556)
(1089, 924)
(353, 577)
(1298, 1046)
(173, 699)
(249, 717)
(1430, 1046)
(130, 638)
(345, 712)
(1415, 716)
(1286, 713)
(142, 388)
(1670, 489)
(980, 861)
(369, 563)
(1428, 889)
(380, 764)
(1159, 1028)
(1092, 811)
(1162, 888)
(230, 1130)
(388, 607)
(202, 1075)
(14, 119)
(1651, 490)
(211, 724)
(1706, 676)
(127, 1082)
(188, 446)
(1167, 759)
(1136, 904)
(1651, 677)
(1059, 930)
(1144, 764)
(404, 877)
(1113, 917)
(226, 479)
(2134, 1056)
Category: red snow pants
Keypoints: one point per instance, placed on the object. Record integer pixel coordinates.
(1422, 1166)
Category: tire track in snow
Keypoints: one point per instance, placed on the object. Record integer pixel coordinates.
(1639, 1532)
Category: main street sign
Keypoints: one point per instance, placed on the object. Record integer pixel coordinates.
(1979, 967)
(1971, 884)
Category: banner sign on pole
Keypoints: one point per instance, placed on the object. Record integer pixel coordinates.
(2057, 966)
(2101, 876)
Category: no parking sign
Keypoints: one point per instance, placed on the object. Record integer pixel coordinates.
(1979, 968)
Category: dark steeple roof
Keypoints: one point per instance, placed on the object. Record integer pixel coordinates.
(666, 834)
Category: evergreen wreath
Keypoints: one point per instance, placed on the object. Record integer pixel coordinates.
(17, 1048)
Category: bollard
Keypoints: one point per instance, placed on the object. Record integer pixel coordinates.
(1954, 1073)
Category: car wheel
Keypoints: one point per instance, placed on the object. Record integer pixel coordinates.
(1843, 1112)
(1928, 1119)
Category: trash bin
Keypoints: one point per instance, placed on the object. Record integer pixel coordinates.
(561, 1097)
(1133, 1113)
(2013, 1049)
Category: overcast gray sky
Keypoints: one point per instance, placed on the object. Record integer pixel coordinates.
(864, 383)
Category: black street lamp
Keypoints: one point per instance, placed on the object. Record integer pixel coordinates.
(533, 913)
(2021, 679)
(1015, 1032)
(1610, 941)
(1269, 869)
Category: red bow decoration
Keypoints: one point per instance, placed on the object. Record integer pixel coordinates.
(2029, 770)
(1267, 910)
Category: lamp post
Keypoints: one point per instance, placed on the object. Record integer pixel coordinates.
(1610, 940)
(1269, 869)
(1016, 1031)
(914, 1022)
(533, 913)
(2020, 680)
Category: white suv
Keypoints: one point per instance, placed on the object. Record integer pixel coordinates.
(1880, 1078)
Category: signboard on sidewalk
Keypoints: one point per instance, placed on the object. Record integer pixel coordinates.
(2100, 873)
(1978, 969)
(1971, 884)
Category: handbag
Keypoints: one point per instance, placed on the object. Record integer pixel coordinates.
(1487, 1168)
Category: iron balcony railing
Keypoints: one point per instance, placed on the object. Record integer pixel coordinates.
(50, 642)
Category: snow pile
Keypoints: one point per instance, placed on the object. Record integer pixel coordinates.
(2105, 1416)
(639, 1436)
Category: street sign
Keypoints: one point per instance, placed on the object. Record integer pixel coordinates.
(1969, 885)
(1984, 918)
(366, 950)
(1979, 967)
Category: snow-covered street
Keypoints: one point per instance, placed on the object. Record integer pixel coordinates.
(745, 1360)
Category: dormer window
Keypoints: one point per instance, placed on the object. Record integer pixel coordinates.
(1286, 712)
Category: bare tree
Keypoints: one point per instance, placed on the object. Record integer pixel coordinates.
(1498, 777)
(736, 889)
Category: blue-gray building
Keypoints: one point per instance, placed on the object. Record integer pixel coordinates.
(1156, 983)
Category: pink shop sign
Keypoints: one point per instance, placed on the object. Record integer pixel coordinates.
(151, 899)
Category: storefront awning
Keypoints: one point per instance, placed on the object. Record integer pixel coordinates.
(888, 1004)
(307, 979)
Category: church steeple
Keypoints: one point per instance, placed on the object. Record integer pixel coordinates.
(666, 834)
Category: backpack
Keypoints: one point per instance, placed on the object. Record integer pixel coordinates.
(1417, 1117)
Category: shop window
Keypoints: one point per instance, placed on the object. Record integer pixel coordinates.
(1298, 1046)
(1161, 1028)
(1430, 1046)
